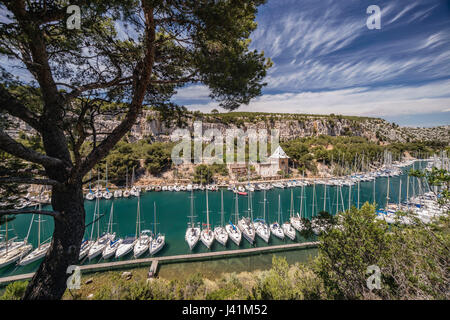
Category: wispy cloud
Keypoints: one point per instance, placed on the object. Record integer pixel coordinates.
(360, 101)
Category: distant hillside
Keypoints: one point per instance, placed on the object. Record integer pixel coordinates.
(158, 126)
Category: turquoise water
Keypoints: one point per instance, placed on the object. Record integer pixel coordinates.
(174, 207)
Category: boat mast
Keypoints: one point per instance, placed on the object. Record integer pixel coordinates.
(349, 195)
(6, 234)
(138, 218)
(29, 229)
(264, 204)
(279, 202)
(358, 191)
(374, 181)
(154, 214)
(192, 209)
(407, 190)
(291, 213)
(93, 219)
(325, 197)
(221, 208)
(251, 206)
(207, 211)
(337, 199)
(400, 194)
(110, 219)
(98, 218)
(302, 192)
(39, 227)
(314, 199)
(387, 193)
(236, 210)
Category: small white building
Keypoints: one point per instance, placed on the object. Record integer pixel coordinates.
(278, 161)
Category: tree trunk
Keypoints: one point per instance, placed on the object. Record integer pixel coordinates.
(49, 282)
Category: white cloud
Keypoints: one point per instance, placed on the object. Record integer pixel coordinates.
(381, 102)
(401, 13)
(193, 92)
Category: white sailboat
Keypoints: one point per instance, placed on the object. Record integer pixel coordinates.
(220, 233)
(103, 240)
(13, 253)
(98, 193)
(193, 231)
(144, 239)
(11, 256)
(10, 245)
(288, 230)
(245, 224)
(297, 221)
(207, 236)
(112, 244)
(126, 192)
(233, 231)
(88, 243)
(262, 229)
(107, 194)
(90, 196)
(135, 191)
(275, 227)
(159, 239)
(42, 248)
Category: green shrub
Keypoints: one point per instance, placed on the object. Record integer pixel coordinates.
(15, 290)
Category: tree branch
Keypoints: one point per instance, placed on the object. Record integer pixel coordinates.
(141, 80)
(15, 108)
(17, 149)
(54, 214)
(96, 85)
(49, 182)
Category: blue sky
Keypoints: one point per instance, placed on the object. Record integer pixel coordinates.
(326, 60)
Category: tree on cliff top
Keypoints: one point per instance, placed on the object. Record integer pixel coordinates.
(128, 53)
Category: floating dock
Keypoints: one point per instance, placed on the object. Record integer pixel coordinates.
(133, 263)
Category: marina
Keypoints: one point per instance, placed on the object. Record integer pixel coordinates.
(280, 206)
(154, 262)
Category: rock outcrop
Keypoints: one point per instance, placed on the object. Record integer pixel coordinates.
(151, 125)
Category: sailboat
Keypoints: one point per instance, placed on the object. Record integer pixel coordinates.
(13, 251)
(297, 221)
(287, 227)
(275, 227)
(220, 233)
(90, 195)
(207, 236)
(193, 231)
(107, 194)
(112, 244)
(103, 240)
(245, 224)
(135, 191)
(159, 239)
(143, 242)
(42, 248)
(315, 220)
(98, 193)
(262, 229)
(233, 231)
(126, 192)
(88, 243)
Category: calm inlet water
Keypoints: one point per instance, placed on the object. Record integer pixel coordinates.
(173, 208)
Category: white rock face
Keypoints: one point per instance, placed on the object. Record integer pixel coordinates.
(150, 125)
